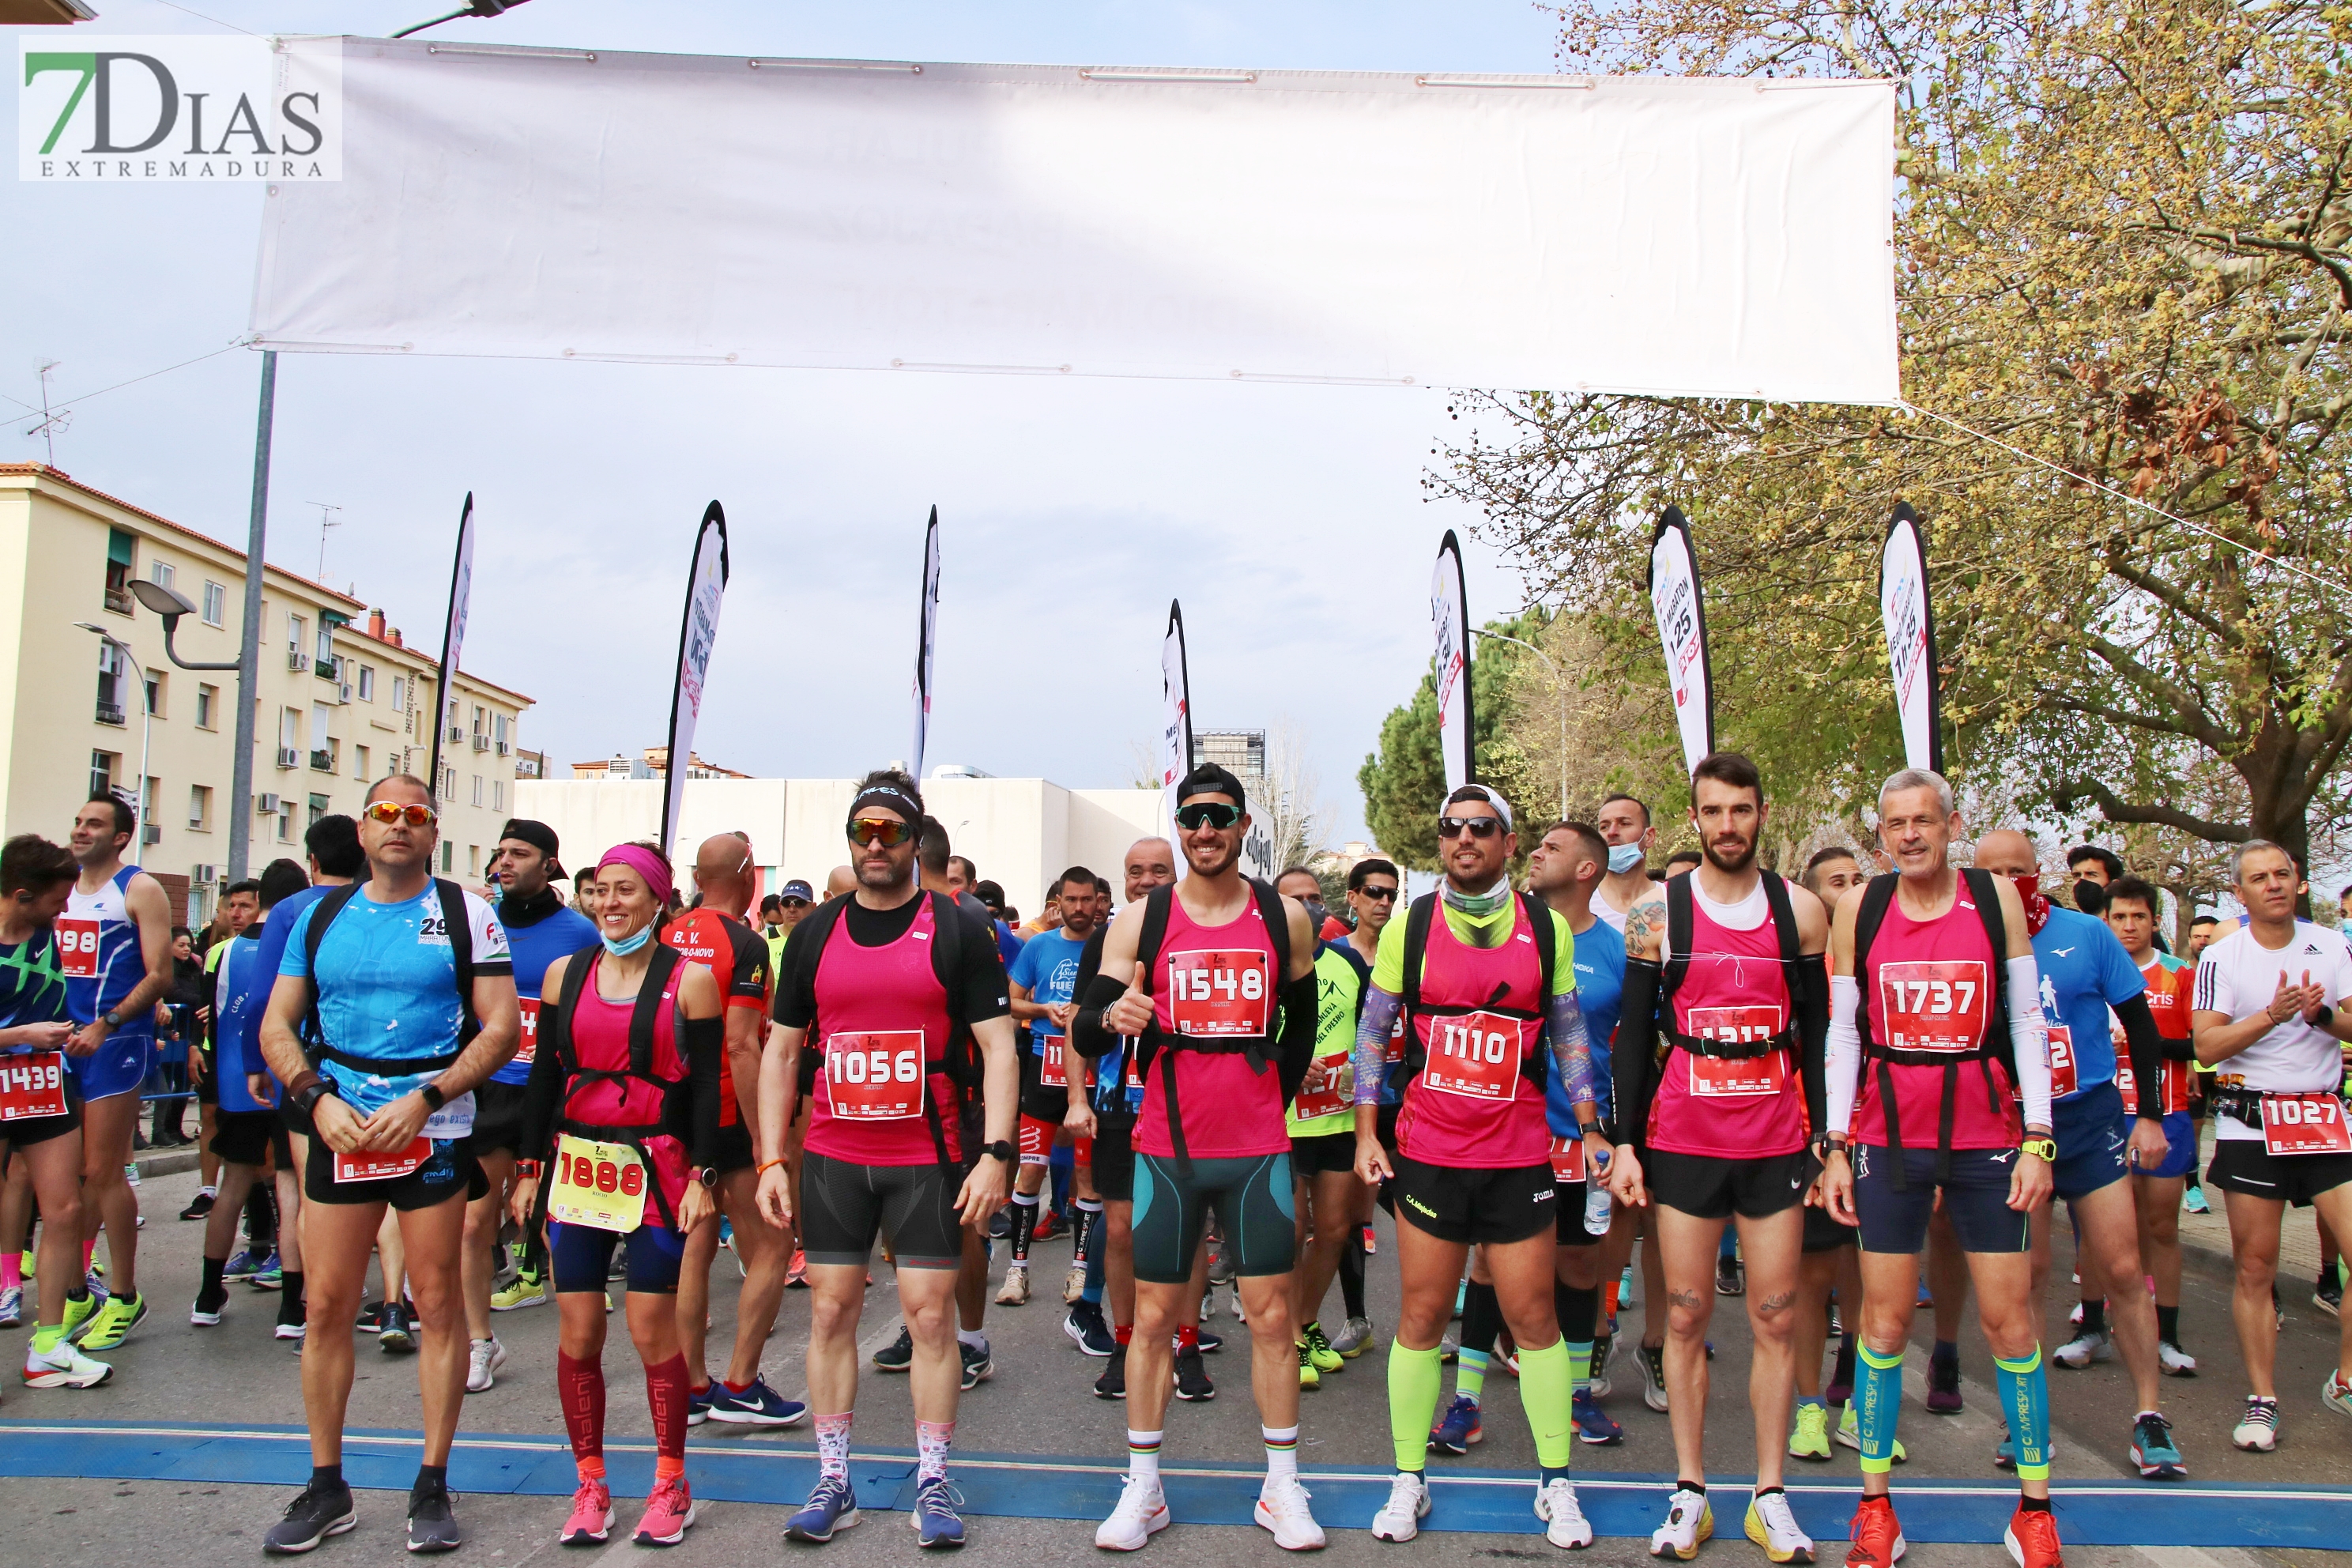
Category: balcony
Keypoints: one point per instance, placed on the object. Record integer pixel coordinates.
(328, 668)
(323, 761)
(111, 713)
(118, 600)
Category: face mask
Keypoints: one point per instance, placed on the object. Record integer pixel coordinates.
(1316, 914)
(629, 944)
(2027, 887)
(1624, 857)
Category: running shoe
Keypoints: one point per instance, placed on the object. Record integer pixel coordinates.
(1282, 1509)
(1084, 1324)
(936, 1521)
(482, 1363)
(2174, 1361)
(1208, 1306)
(1141, 1513)
(1458, 1427)
(528, 1291)
(2033, 1539)
(2194, 1201)
(1112, 1384)
(1811, 1440)
(1944, 1386)
(2327, 1295)
(1506, 1358)
(1877, 1538)
(2085, 1349)
(977, 1366)
(201, 1205)
(206, 1311)
(12, 1307)
(592, 1516)
(1050, 1227)
(1731, 1277)
(432, 1527)
(1565, 1525)
(1241, 1313)
(2257, 1430)
(1210, 1343)
(1653, 1377)
(1400, 1517)
(1593, 1425)
(2154, 1451)
(290, 1329)
(668, 1511)
(1603, 1347)
(898, 1355)
(1689, 1520)
(830, 1509)
(1193, 1385)
(1449, 1345)
(270, 1274)
(113, 1323)
(1015, 1290)
(1000, 1227)
(2337, 1395)
(371, 1318)
(1309, 1375)
(1355, 1337)
(1849, 1435)
(758, 1405)
(62, 1365)
(316, 1514)
(2004, 1454)
(243, 1265)
(1773, 1526)
(398, 1334)
(796, 1277)
(1326, 1358)
(79, 1314)
(1074, 1283)
(697, 1403)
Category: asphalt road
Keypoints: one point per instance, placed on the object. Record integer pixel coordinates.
(1039, 1402)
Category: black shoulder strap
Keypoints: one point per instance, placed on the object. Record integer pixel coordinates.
(1416, 949)
(1680, 920)
(567, 1001)
(947, 950)
(1878, 897)
(1277, 930)
(460, 929)
(645, 1015)
(1154, 934)
(1547, 946)
(322, 915)
(1784, 923)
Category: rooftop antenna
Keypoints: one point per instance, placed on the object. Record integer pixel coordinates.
(52, 420)
(326, 521)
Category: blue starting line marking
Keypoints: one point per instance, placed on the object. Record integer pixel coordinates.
(1081, 1487)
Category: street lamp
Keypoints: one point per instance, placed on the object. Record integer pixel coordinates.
(146, 721)
(1557, 685)
(171, 604)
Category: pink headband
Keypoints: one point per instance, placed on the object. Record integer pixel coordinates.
(646, 864)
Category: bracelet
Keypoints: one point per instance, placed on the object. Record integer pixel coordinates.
(526, 1168)
(761, 1169)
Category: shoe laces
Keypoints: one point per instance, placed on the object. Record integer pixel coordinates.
(1136, 1490)
(1773, 1508)
(1560, 1498)
(2153, 1424)
(671, 1488)
(938, 1495)
(1284, 1495)
(593, 1490)
(1406, 1481)
(309, 1494)
(833, 1488)
(2261, 1412)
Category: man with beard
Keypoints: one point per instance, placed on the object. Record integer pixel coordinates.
(1043, 977)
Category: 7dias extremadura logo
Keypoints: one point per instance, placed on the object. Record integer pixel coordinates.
(179, 107)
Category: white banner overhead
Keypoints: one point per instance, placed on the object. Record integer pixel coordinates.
(1655, 235)
(1681, 612)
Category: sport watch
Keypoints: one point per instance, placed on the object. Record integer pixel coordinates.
(707, 1174)
(113, 1020)
(1001, 1149)
(2044, 1148)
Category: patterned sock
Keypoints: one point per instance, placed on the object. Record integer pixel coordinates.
(579, 1388)
(931, 1440)
(1414, 1380)
(1878, 1403)
(1470, 1375)
(1281, 1453)
(666, 1393)
(2025, 1400)
(1548, 1393)
(1024, 1225)
(1143, 1454)
(832, 1446)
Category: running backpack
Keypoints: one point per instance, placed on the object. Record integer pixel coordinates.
(1681, 921)
(1417, 921)
(645, 1014)
(460, 932)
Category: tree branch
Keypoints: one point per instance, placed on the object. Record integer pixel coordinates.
(2073, 790)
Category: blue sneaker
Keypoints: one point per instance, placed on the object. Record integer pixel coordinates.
(2155, 1452)
(697, 1403)
(758, 1405)
(1211, 1343)
(935, 1518)
(270, 1274)
(1592, 1423)
(1458, 1429)
(245, 1265)
(2004, 1456)
(831, 1507)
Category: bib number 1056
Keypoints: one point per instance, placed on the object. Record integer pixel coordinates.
(875, 1076)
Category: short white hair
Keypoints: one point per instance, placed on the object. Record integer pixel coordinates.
(1917, 778)
(2252, 845)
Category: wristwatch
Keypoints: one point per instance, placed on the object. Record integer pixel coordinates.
(113, 1020)
(1001, 1150)
(2044, 1148)
(707, 1174)
(433, 1097)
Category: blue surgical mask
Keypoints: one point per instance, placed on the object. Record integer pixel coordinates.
(1624, 857)
(629, 944)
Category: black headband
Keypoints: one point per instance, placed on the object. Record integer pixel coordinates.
(909, 806)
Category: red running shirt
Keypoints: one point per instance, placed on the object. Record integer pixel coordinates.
(1931, 983)
(1734, 990)
(1214, 982)
(1471, 1106)
(881, 1039)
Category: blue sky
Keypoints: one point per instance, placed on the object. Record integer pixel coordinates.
(1291, 519)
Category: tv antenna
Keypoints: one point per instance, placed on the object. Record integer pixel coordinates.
(327, 519)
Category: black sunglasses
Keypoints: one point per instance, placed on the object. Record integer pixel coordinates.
(1385, 895)
(1476, 826)
(1212, 813)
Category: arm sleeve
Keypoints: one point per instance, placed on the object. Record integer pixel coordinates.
(1572, 1052)
(1842, 1047)
(705, 1044)
(542, 1096)
(1373, 1027)
(1087, 1035)
(1633, 1063)
(2029, 1039)
(2147, 1048)
(1811, 996)
(1295, 1046)
(980, 978)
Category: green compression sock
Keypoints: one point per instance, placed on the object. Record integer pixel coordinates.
(1548, 1390)
(1414, 1379)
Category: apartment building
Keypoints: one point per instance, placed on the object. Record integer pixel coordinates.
(93, 701)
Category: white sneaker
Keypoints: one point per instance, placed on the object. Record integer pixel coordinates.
(1015, 1290)
(1400, 1517)
(1074, 1284)
(482, 1367)
(1282, 1509)
(1689, 1520)
(1556, 1505)
(295, 1331)
(1773, 1526)
(63, 1366)
(1240, 1316)
(2083, 1350)
(2174, 1361)
(1141, 1513)
(2258, 1432)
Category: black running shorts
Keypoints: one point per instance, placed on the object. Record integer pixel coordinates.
(498, 1120)
(1504, 1203)
(845, 1207)
(249, 1137)
(1825, 1234)
(2244, 1165)
(1327, 1153)
(1708, 1187)
(450, 1172)
(1114, 1163)
(1254, 1206)
(1568, 1224)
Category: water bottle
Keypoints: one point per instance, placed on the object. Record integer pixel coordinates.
(1596, 1197)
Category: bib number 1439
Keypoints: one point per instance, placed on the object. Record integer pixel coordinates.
(32, 1085)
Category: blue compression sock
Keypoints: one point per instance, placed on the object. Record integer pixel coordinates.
(2025, 1401)
(1878, 1403)
(1094, 1291)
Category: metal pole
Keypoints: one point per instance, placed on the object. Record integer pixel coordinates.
(146, 728)
(249, 653)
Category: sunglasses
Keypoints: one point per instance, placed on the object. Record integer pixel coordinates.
(1386, 894)
(1207, 813)
(391, 811)
(796, 903)
(871, 830)
(1476, 826)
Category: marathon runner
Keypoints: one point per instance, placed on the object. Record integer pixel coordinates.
(2085, 972)
(886, 982)
(115, 943)
(714, 935)
(1486, 992)
(1933, 1013)
(2266, 1020)
(237, 912)
(539, 930)
(407, 980)
(1043, 977)
(1716, 1130)
(1625, 823)
(40, 1102)
(1374, 886)
(2131, 912)
(1332, 1205)
(620, 1126)
(1194, 972)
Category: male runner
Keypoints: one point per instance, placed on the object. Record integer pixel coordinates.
(1717, 1129)
(2132, 908)
(714, 935)
(1331, 1203)
(2266, 1020)
(408, 981)
(1374, 886)
(1625, 822)
(2085, 971)
(1929, 964)
(881, 986)
(1193, 972)
(779, 913)
(115, 943)
(539, 930)
(1043, 977)
(1484, 979)
(237, 912)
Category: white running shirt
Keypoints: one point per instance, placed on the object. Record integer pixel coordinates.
(2238, 976)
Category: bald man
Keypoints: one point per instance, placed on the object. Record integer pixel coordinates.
(716, 935)
(840, 880)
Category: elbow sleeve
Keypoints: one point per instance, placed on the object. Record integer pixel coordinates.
(1842, 1047)
(1087, 1035)
(705, 1044)
(1633, 1064)
(1373, 1027)
(2146, 1047)
(2029, 1039)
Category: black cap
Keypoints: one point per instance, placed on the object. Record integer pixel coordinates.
(1211, 778)
(539, 837)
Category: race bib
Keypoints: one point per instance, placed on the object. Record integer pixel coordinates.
(1052, 1070)
(875, 1076)
(2305, 1124)
(601, 1185)
(373, 1165)
(1219, 993)
(2128, 1085)
(1475, 1055)
(527, 1052)
(1396, 1041)
(1714, 1077)
(33, 1084)
(77, 948)
(1747, 1026)
(1568, 1161)
(2061, 1061)
(1338, 1091)
(1933, 1005)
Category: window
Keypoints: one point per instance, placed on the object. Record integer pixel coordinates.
(111, 694)
(323, 745)
(286, 820)
(360, 762)
(155, 693)
(318, 809)
(449, 856)
(474, 861)
(399, 694)
(326, 642)
(215, 603)
(477, 789)
(207, 697)
(498, 795)
(119, 547)
(200, 809)
(151, 791)
(297, 656)
(289, 728)
(449, 790)
(367, 683)
(101, 770)
(162, 573)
